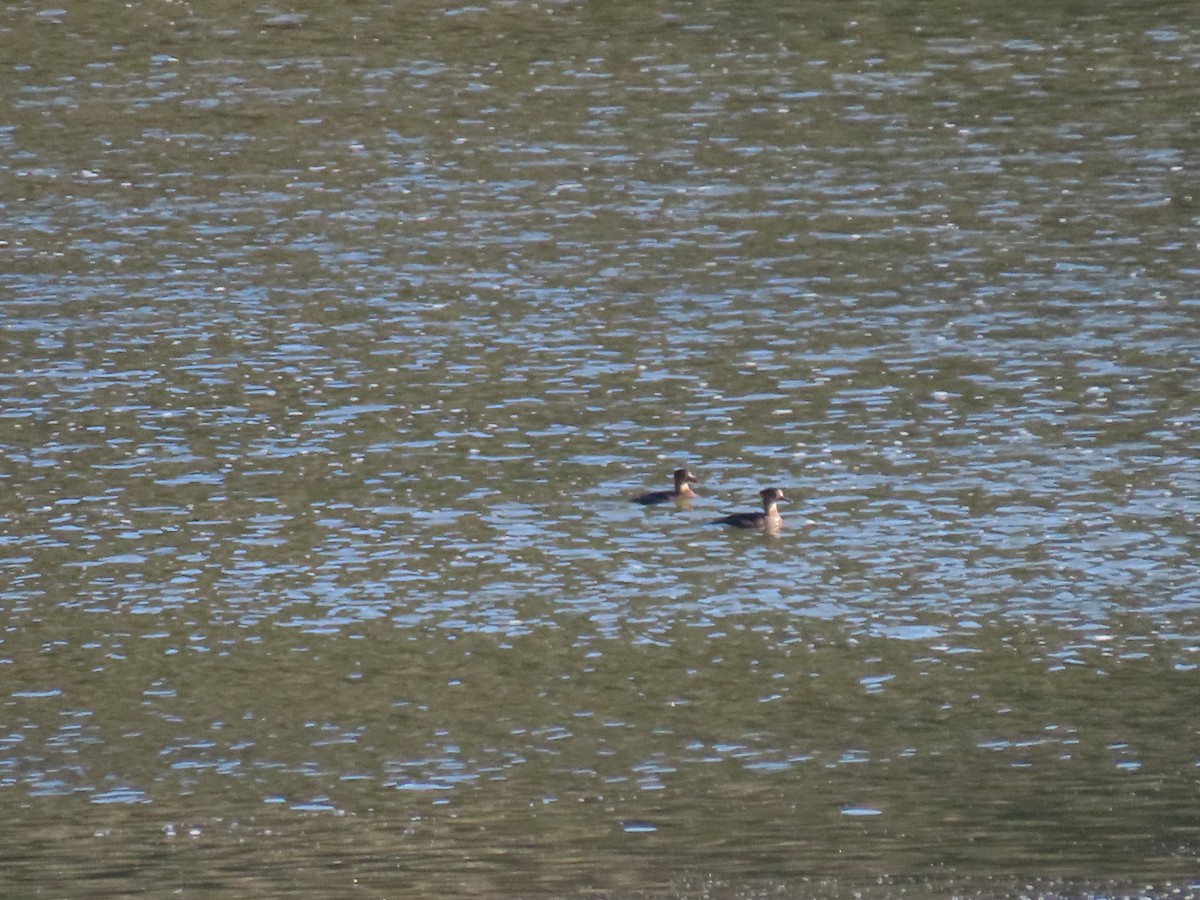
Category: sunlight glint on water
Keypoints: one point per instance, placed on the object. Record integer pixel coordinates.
(335, 342)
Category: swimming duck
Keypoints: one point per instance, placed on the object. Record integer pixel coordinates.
(682, 490)
(768, 519)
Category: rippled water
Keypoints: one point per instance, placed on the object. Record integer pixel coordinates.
(335, 341)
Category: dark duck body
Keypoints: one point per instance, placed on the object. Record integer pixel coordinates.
(769, 519)
(682, 490)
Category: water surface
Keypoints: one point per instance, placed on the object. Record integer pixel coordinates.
(335, 341)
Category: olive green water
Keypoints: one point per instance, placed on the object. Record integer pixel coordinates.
(335, 338)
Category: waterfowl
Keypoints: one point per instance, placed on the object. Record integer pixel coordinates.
(768, 519)
(682, 490)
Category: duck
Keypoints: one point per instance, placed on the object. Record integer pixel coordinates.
(682, 490)
(768, 520)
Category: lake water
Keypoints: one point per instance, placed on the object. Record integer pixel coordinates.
(336, 338)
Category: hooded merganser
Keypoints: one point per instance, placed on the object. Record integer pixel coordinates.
(682, 490)
(768, 519)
